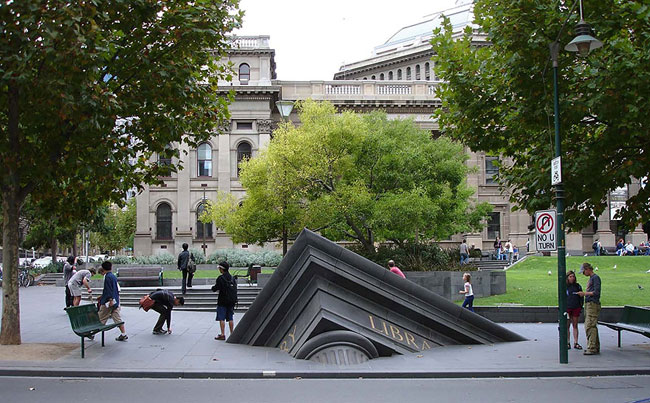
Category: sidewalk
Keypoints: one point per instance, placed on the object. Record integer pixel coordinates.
(192, 352)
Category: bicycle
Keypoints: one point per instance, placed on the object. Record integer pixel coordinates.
(25, 279)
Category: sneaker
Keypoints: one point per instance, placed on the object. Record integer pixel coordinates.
(158, 332)
(220, 337)
(122, 337)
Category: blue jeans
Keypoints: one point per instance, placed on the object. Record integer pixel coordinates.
(469, 303)
(464, 258)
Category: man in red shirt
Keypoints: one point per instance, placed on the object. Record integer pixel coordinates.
(395, 269)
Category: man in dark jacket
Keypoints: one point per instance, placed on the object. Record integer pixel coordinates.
(226, 301)
(164, 302)
(109, 302)
(183, 265)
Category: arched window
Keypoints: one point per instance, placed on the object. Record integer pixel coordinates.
(164, 221)
(244, 151)
(408, 73)
(204, 157)
(244, 73)
(390, 75)
(201, 225)
(417, 71)
(399, 74)
(381, 76)
(373, 78)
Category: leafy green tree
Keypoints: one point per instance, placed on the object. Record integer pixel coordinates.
(89, 91)
(355, 177)
(119, 231)
(499, 99)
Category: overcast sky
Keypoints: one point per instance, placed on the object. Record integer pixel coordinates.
(313, 38)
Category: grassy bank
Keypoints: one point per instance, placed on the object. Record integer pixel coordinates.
(528, 283)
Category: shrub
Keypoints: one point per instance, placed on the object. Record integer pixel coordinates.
(415, 257)
(162, 258)
(50, 268)
(242, 258)
(199, 258)
(121, 259)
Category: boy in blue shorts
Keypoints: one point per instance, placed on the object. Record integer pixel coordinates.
(226, 300)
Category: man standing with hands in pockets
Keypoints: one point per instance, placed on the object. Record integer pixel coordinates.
(109, 302)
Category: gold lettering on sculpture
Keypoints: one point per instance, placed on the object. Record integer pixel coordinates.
(410, 339)
(284, 346)
(293, 334)
(425, 345)
(395, 334)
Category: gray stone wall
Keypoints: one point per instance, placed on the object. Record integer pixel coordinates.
(449, 283)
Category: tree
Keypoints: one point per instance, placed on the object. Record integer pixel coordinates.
(89, 91)
(499, 99)
(119, 231)
(357, 177)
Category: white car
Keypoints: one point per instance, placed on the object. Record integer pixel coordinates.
(42, 262)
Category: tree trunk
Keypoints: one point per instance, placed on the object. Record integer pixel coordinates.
(10, 332)
(11, 204)
(74, 244)
(285, 237)
(53, 246)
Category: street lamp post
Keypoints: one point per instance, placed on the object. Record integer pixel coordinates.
(204, 247)
(583, 43)
(284, 107)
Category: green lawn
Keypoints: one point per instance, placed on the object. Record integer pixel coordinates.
(528, 283)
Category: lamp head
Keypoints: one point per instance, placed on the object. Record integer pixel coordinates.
(284, 107)
(583, 43)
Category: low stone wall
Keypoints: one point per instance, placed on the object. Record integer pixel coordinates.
(449, 283)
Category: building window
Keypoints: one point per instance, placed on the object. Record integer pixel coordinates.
(244, 125)
(494, 225)
(399, 74)
(408, 73)
(373, 78)
(427, 71)
(491, 170)
(165, 157)
(201, 225)
(390, 75)
(381, 76)
(244, 73)
(204, 156)
(417, 71)
(164, 221)
(244, 151)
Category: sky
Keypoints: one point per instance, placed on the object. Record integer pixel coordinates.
(313, 38)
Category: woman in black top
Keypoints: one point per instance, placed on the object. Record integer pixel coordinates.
(574, 307)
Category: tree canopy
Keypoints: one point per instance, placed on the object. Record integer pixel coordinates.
(89, 91)
(499, 99)
(354, 177)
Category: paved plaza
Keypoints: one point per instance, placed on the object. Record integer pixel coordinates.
(192, 352)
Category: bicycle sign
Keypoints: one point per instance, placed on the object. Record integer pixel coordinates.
(545, 230)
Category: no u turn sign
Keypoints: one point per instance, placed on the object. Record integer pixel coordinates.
(545, 230)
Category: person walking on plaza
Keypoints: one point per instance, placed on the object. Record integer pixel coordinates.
(395, 269)
(79, 279)
(468, 303)
(226, 301)
(573, 307)
(464, 253)
(592, 309)
(183, 265)
(69, 269)
(109, 302)
(164, 302)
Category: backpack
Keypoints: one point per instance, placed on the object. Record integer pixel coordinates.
(230, 292)
(191, 264)
(595, 245)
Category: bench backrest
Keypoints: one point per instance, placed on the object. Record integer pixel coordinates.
(138, 271)
(635, 314)
(82, 316)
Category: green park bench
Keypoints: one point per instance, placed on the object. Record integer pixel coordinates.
(140, 273)
(85, 323)
(635, 319)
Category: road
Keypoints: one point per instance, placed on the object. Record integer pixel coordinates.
(593, 390)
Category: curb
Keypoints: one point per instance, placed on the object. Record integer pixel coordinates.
(79, 373)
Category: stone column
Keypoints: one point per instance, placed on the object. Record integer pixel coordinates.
(264, 127)
(604, 231)
(637, 235)
(143, 232)
(223, 173)
(183, 220)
